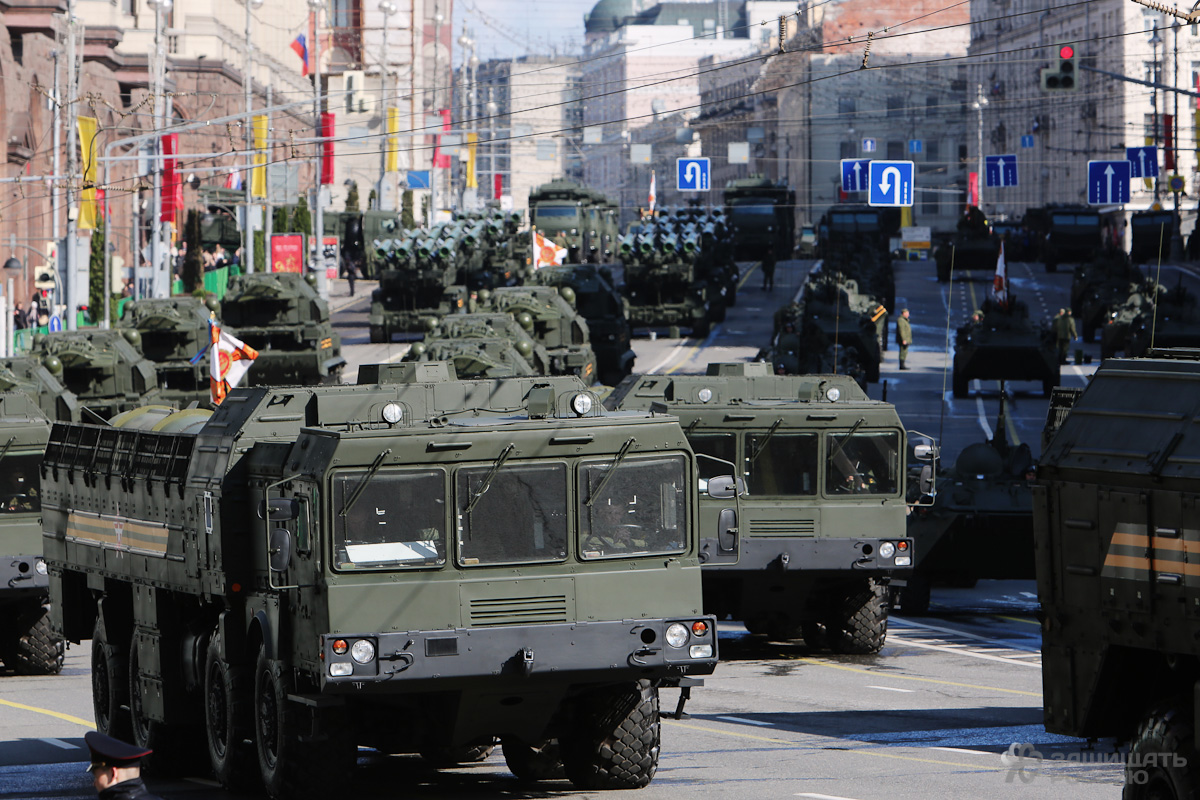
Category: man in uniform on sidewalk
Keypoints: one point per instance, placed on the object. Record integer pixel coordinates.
(1064, 332)
(116, 768)
(903, 335)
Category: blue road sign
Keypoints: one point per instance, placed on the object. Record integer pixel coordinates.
(691, 174)
(914, 146)
(868, 145)
(855, 172)
(1175, 183)
(1143, 161)
(418, 179)
(891, 183)
(1108, 182)
(55, 323)
(1027, 140)
(1001, 170)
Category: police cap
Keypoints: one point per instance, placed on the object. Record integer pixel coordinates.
(110, 752)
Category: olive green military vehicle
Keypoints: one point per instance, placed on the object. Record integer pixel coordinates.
(483, 346)
(973, 246)
(582, 220)
(281, 316)
(1073, 234)
(1099, 285)
(665, 283)
(28, 646)
(1115, 531)
(833, 319)
(605, 310)
(104, 369)
(552, 321)
(1139, 305)
(1174, 321)
(356, 230)
(762, 216)
(29, 375)
(418, 285)
(822, 528)
(1150, 238)
(480, 559)
(174, 331)
(854, 227)
(979, 526)
(1005, 345)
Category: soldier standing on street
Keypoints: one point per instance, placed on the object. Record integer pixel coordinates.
(768, 269)
(903, 335)
(1064, 332)
(116, 768)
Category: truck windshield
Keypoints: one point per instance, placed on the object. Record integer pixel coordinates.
(520, 518)
(864, 463)
(398, 520)
(782, 464)
(555, 211)
(756, 210)
(19, 484)
(642, 510)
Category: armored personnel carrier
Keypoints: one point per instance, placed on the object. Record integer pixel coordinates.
(480, 559)
(104, 369)
(822, 530)
(973, 246)
(550, 318)
(1005, 345)
(1097, 286)
(1115, 333)
(835, 313)
(1115, 527)
(28, 646)
(606, 313)
(173, 332)
(281, 316)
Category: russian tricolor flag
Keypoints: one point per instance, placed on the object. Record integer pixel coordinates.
(300, 45)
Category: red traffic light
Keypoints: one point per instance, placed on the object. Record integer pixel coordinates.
(1066, 51)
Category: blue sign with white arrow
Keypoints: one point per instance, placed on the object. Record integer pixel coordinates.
(868, 145)
(1143, 161)
(1027, 140)
(855, 172)
(691, 174)
(891, 183)
(1108, 182)
(1001, 170)
(55, 324)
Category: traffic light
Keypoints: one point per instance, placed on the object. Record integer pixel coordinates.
(1063, 77)
(44, 278)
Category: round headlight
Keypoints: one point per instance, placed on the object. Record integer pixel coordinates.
(887, 550)
(705, 395)
(677, 635)
(581, 403)
(40, 567)
(833, 394)
(362, 651)
(392, 413)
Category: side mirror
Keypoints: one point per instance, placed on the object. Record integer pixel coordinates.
(727, 532)
(281, 509)
(722, 487)
(926, 482)
(279, 548)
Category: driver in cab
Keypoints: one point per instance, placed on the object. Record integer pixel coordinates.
(614, 529)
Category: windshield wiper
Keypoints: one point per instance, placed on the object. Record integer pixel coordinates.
(608, 476)
(487, 479)
(358, 490)
(8, 444)
(842, 444)
(762, 445)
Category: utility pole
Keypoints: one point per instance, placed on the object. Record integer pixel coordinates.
(268, 209)
(157, 289)
(387, 7)
(980, 102)
(1176, 236)
(433, 169)
(318, 262)
(71, 276)
(248, 127)
(56, 194)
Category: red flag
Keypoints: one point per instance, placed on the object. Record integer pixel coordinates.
(300, 46)
(172, 186)
(327, 129)
(1000, 282)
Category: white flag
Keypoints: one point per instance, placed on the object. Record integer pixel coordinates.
(653, 194)
(546, 253)
(230, 360)
(1000, 284)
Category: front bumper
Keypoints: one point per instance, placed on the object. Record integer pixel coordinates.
(805, 556)
(577, 652)
(20, 574)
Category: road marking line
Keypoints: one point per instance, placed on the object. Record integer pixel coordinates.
(983, 423)
(666, 359)
(60, 743)
(908, 623)
(746, 277)
(892, 689)
(964, 750)
(816, 796)
(694, 349)
(1018, 619)
(946, 648)
(843, 667)
(745, 721)
(56, 714)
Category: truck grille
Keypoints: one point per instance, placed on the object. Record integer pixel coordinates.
(518, 610)
(783, 527)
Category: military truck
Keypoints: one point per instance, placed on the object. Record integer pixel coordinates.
(584, 221)
(281, 316)
(174, 331)
(822, 531)
(853, 227)
(665, 283)
(1114, 526)
(1151, 235)
(104, 369)
(973, 246)
(1072, 235)
(761, 215)
(28, 646)
(605, 310)
(1005, 344)
(478, 559)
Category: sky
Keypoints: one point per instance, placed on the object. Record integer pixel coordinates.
(510, 28)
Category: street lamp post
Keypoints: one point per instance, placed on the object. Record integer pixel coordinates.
(318, 263)
(388, 8)
(978, 105)
(438, 19)
(1155, 41)
(468, 102)
(248, 127)
(1176, 236)
(161, 8)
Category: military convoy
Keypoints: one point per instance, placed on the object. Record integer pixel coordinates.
(484, 560)
(1003, 343)
(582, 220)
(1114, 525)
(104, 369)
(761, 216)
(280, 315)
(822, 526)
(604, 309)
(175, 335)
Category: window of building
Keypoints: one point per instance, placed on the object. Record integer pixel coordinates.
(896, 151)
(17, 42)
(895, 105)
(849, 150)
(847, 105)
(930, 203)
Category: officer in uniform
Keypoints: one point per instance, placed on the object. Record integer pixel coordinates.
(116, 768)
(1064, 332)
(903, 336)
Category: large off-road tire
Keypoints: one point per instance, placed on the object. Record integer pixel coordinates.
(1163, 757)
(532, 763)
(613, 742)
(859, 625)
(175, 747)
(292, 763)
(110, 685)
(35, 650)
(229, 720)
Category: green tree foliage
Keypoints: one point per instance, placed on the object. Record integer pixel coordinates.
(193, 260)
(260, 251)
(96, 272)
(406, 210)
(301, 219)
(352, 198)
(282, 222)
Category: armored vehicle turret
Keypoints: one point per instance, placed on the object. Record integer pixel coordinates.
(605, 310)
(1115, 333)
(417, 286)
(552, 321)
(1005, 344)
(822, 531)
(479, 559)
(1098, 286)
(29, 375)
(282, 317)
(104, 369)
(174, 331)
(483, 346)
(28, 646)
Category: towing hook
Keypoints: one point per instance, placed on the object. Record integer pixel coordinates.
(784, 560)
(527, 661)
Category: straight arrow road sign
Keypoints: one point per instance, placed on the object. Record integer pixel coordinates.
(891, 183)
(1001, 170)
(1144, 161)
(855, 172)
(1108, 182)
